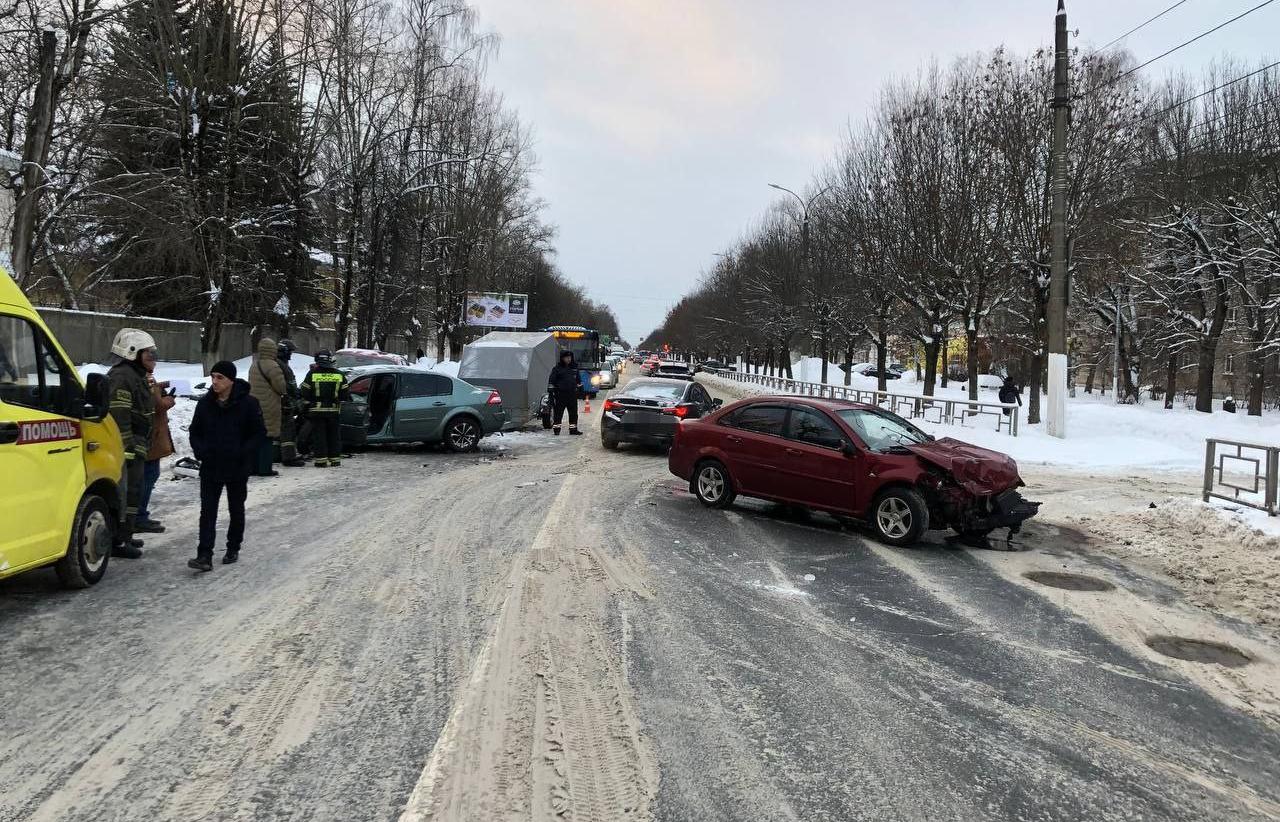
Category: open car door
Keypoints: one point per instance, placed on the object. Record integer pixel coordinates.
(354, 416)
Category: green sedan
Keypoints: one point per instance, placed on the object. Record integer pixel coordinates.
(396, 404)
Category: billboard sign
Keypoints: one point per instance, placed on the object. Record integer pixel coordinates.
(496, 310)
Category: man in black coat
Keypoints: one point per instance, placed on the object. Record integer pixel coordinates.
(562, 385)
(226, 432)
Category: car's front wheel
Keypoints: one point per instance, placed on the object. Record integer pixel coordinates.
(609, 443)
(899, 516)
(89, 549)
(711, 484)
(462, 434)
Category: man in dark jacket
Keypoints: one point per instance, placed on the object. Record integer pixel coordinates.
(132, 407)
(1009, 393)
(323, 389)
(226, 433)
(289, 404)
(562, 385)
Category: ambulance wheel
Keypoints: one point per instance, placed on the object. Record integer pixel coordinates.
(90, 546)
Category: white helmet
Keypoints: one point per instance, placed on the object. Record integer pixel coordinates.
(129, 341)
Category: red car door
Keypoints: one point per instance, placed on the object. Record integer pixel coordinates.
(753, 444)
(815, 469)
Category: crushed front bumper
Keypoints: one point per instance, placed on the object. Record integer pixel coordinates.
(1008, 510)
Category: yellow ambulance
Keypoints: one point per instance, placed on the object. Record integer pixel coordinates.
(60, 453)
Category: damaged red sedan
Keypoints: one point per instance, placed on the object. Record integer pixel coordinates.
(851, 460)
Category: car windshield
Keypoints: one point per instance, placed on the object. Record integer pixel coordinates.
(881, 430)
(653, 391)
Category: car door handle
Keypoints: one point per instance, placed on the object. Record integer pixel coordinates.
(794, 451)
(439, 404)
(734, 440)
(9, 432)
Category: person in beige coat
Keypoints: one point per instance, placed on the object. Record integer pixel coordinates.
(267, 385)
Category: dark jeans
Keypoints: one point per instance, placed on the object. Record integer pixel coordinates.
(210, 494)
(565, 402)
(133, 470)
(150, 475)
(326, 437)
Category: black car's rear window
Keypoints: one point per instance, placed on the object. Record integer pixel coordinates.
(653, 391)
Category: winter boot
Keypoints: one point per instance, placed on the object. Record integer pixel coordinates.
(574, 432)
(298, 463)
(555, 429)
(131, 549)
(231, 557)
(148, 526)
(202, 562)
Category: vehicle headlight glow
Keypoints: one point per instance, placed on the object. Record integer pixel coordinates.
(595, 379)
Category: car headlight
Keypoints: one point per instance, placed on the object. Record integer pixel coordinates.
(595, 379)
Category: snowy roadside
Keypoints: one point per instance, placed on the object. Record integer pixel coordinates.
(1117, 463)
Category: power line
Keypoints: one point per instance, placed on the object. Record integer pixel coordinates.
(1199, 96)
(1183, 45)
(1137, 28)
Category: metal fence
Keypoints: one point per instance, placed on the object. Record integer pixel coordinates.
(1244, 473)
(942, 410)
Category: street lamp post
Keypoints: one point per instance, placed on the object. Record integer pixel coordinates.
(804, 261)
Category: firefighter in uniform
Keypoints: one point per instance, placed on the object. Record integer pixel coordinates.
(324, 389)
(133, 408)
(289, 407)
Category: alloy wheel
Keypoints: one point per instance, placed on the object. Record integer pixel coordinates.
(463, 436)
(711, 483)
(893, 516)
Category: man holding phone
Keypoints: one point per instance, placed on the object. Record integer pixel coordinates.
(161, 445)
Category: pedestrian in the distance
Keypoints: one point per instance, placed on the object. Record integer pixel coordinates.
(562, 385)
(227, 433)
(323, 389)
(161, 447)
(133, 408)
(1010, 392)
(289, 405)
(419, 355)
(266, 382)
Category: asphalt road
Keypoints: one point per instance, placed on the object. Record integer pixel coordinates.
(553, 631)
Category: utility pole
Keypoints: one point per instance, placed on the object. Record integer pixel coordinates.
(1057, 309)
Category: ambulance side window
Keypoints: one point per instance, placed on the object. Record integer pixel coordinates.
(31, 372)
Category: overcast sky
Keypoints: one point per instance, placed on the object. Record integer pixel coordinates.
(659, 123)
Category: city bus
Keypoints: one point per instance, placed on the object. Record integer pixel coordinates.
(584, 343)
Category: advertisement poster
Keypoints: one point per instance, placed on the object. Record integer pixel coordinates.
(494, 310)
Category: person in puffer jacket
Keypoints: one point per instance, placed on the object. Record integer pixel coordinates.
(267, 384)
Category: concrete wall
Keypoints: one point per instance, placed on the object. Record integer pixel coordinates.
(87, 336)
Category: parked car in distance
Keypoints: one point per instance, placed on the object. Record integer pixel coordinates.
(398, 404)
(852, 460)
(347, 358)
(712, 365)
(650, 365)
(648, 410)
(674, 370)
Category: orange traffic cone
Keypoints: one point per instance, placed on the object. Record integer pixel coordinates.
(586, 406)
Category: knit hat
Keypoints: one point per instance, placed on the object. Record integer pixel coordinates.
(226, 368)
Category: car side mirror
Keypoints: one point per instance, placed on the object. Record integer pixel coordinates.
(96, 397)
(717, 402)
(848, 449)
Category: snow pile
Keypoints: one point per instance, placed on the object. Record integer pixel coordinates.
(1219, 555)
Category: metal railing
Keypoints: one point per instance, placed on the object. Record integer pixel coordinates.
(941, 410)
(1262, 461)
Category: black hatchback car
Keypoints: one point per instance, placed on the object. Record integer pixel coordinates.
(648, 410)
